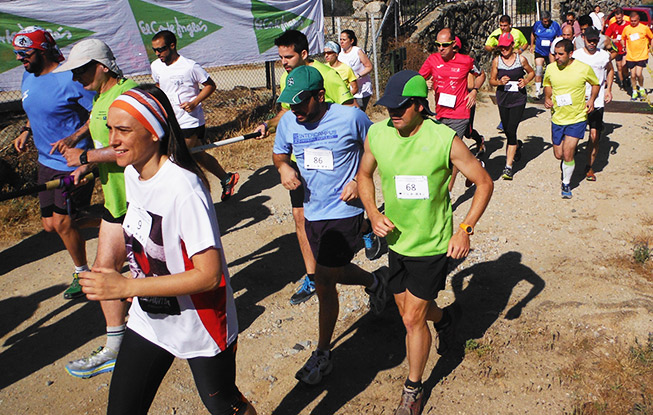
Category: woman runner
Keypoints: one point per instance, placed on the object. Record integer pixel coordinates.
(507, 74)
(183, 303)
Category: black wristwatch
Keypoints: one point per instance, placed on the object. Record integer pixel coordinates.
(83, 158)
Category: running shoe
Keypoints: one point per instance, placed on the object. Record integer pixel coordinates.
(507, 173)
(517, 157)
(101, 360)
(642, 94)
(634, 96)
(445, 335)
(500, 127)
(317, 366)
(304, 292)
(228, 185)
(589, 174)
(372, 245)
(566, 191)
(379, 297)
(75, 290)
(411, 402)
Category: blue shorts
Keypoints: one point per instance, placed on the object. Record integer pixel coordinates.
(558, 132)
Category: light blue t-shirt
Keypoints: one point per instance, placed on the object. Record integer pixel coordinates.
(547, 34)
(56, 107)
(341, 131)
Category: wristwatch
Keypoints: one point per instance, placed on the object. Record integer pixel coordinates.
(469, 229)
(83, 158)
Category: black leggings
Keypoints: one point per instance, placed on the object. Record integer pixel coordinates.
(510, 118)
(141, 366)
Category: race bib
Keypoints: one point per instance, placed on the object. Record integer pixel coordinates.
(138, 224)
(634, 37)
(546, 42)
(511, 86)
(315, 159)
(618, 37)
(411, 187)
(563, 100)
(447, 100)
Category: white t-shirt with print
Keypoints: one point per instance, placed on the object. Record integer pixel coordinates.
(598, 61)
(181, 82)
(170, 218)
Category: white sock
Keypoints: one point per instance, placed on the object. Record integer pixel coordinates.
(83, 268)
(509, 166)
(567, 171)
(114, 337)
(538, 87)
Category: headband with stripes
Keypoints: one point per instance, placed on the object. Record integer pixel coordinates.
(145, 108)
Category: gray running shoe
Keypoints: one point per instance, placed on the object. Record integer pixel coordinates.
(317, 366)
(411, 402)
(379, 297)
(100, 361)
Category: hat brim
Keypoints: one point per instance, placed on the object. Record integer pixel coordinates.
(71, 64)
(293, 97)
(392, 101)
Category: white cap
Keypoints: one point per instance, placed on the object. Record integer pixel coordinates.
(90, 50)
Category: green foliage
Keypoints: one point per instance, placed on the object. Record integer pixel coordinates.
(526, 6)
(641, 252)
(472, 345)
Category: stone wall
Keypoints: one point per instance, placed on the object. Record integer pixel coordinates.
(581, 7)
(471, 20)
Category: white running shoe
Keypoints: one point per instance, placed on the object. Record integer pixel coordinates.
(100, 361)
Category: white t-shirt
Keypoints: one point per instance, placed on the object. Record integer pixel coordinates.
(171, 215)
(598, 61)
(181, 82)
(352, 59)
(596, 20)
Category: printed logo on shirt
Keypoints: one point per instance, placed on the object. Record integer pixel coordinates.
(305, 138)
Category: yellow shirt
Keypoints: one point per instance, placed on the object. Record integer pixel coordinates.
(569, 88)
(345, 72)
(637, 39)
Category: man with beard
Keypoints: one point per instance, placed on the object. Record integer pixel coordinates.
(599, 60)
(57, 108)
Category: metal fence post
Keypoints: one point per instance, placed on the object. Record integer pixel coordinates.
(376, 66)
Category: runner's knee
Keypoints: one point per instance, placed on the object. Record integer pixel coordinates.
(539, 70)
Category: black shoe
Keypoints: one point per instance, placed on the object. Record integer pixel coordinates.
(372, 245)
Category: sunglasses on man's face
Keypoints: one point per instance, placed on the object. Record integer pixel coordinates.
(161, 49)
(25, 54)
(82, 69)
(443, 44)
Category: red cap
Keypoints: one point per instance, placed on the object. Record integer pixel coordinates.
(35, 37)
(506, 39)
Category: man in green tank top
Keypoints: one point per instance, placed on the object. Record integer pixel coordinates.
(415, 155)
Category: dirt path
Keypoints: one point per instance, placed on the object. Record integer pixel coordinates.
(548, 294)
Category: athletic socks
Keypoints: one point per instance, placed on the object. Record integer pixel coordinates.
(311, 277)
(538, 87)
(114, 337)
(413, 385)
(83, 268)
(567, 171)
(509, 166)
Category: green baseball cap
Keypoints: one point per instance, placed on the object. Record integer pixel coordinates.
(300, 84)
(403, 86)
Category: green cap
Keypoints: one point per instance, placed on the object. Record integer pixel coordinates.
(300, 84)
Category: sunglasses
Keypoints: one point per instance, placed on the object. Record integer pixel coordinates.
(83, 69)
(24, 54)
(161, 49)
(595, 41)
(443, 44)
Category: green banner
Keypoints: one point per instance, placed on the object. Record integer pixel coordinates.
(152, 19)
(10, 24)
(270, 23)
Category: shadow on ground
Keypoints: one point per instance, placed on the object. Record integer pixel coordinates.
(607, 147)
(482, 293)
(377, 344)
(43, 342)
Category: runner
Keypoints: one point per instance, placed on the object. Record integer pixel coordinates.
(614, 32)
(354, 56)
(636, 39)
(471, 131)
(180, 78)
(570, 20)
(414, 155)
(567, 33)
(599, 60)
(543, 33)
(598, 18)
(182, 304)
(57, 108)
(94, 67)
(510, 74)
(604, 42)
(564, 91)
(327, 140)
(293, 52)
(331, 51)
(505, 26)
(449, 71)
